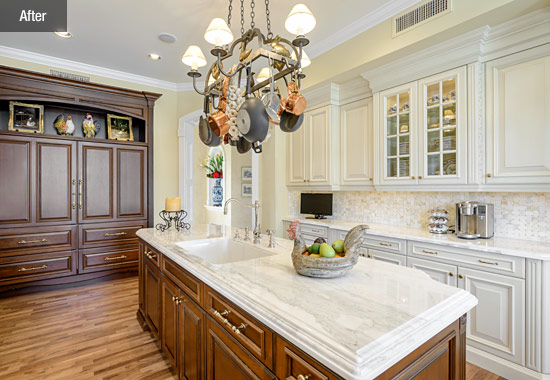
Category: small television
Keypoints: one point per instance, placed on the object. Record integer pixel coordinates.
(317, 204)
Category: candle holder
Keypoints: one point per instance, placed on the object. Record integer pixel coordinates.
(175, 218)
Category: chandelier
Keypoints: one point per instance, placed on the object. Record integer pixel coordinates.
(241, 109)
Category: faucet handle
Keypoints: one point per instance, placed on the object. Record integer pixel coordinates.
(237, 236)
(246, 234)
(271, 241)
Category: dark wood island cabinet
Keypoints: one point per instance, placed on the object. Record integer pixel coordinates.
(69, 205)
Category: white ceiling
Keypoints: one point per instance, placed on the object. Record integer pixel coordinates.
(118, 34)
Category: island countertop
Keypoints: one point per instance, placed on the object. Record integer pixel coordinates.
(358, 325)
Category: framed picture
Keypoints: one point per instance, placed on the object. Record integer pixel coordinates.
(246, 190)
(119, 128)
(246, 174)
(26, 117)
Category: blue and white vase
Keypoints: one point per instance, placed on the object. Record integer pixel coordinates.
(217, 192)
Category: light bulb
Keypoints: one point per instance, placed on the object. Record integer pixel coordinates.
(218, 33)
(193, 57)
(300, 20)
(305, 62)
(265, 73)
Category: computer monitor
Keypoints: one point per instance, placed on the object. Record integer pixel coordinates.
(317, 204)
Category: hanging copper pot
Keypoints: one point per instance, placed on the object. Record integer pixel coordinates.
(295, 103)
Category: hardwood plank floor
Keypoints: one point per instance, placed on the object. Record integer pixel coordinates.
(89, 332)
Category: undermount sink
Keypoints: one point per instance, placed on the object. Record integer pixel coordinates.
(222, 250)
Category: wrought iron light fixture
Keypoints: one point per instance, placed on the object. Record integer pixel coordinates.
(223, 92)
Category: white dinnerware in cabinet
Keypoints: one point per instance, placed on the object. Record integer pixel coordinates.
(396, 135)
(356, 134)
(442, 128)
(497, 324)
(518, 119)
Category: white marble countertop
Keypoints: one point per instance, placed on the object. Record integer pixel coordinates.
(512, 247)
(358, 325)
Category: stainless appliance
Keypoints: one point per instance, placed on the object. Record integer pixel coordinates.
(474, 220)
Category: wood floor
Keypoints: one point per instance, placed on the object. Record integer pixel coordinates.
(88, 332)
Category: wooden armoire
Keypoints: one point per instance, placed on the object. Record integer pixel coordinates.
(69, 205)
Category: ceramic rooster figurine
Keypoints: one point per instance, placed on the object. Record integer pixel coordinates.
(60, 124)
(70, 126)
(90, 128)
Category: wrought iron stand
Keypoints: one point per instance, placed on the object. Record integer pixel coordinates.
(173, 217)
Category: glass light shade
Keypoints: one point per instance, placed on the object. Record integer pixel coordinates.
(265, 73)
(218, 33)
(305, 59)
(193, 57)
(300, 20)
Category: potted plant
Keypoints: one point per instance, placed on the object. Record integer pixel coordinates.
(214, 173)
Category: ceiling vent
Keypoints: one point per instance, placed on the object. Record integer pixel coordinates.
(64, 75)
(420, 15)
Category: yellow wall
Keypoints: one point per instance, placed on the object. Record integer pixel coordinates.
(165, 130)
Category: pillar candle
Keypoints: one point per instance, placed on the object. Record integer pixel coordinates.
(173, 204)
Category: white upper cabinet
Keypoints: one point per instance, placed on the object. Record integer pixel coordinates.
(396, 130)
(442, 124)
(518, 119)
(312, 149)
(357, 142)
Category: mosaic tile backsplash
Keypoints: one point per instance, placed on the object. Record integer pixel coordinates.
(517, 215)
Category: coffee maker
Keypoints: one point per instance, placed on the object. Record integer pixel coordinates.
(474, 220)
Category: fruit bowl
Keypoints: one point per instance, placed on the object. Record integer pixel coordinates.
(328, 267)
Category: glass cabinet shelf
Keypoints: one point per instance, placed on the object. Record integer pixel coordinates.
(397, 135)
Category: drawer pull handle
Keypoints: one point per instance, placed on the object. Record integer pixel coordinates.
(115, 234)
(430, 252)
(237, 330)
(151, 255)
(385, 244)
(74, 194)
(487, 262)
(302, 377)
(32, 268)
(32, 241)
(115, 258)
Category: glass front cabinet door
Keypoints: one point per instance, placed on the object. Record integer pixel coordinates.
(397, 125)
(442, 128)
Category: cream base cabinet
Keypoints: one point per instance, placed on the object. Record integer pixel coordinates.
(518, 119)
(356, 135)
(444, 273)
(314, 151)
(497, 323)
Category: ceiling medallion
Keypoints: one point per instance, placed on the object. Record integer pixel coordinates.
(243, 113)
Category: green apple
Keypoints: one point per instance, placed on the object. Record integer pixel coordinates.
(315, 248)
(338, 246)
(326, 250)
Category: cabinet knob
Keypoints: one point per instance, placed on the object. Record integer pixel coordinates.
(370, 179)
(460, 276)
(419, 177)
(413, 177)
(451, 274)
(488, 175)
(369, 256)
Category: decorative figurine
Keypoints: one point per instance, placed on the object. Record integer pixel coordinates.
(60, 124)
(90, 128)
(70, 126)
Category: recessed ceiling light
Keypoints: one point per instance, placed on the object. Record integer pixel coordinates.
(64, 34)
(167, 37)
(154, 57)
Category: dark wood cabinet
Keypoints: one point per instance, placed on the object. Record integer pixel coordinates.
(152, 301)
(169, 337)
(16, 181)
(131, 175)
(56, 189)
(191, 319)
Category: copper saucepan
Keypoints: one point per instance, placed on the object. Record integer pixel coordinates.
(295, 103)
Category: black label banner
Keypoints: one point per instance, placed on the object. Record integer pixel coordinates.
(33, 16)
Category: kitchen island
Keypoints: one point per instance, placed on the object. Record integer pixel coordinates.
(219, 314)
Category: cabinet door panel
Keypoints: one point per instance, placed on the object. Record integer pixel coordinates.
(318, 168)
(444, 273)
(16, 176)
(387, 257)
(518, 115)
(96, 192)
(497, 323)
(191, 335)
(56, 181)
(297, 157)
(169, 323)
(152, 297)
(131, 180)
(356, 135)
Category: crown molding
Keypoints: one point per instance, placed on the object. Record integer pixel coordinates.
(66, 64)
(371, 19)
(458, 51)
(322, 95)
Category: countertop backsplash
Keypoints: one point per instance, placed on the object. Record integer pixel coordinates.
(517, 215)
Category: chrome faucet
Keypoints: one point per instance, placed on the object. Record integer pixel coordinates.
(256, 206)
